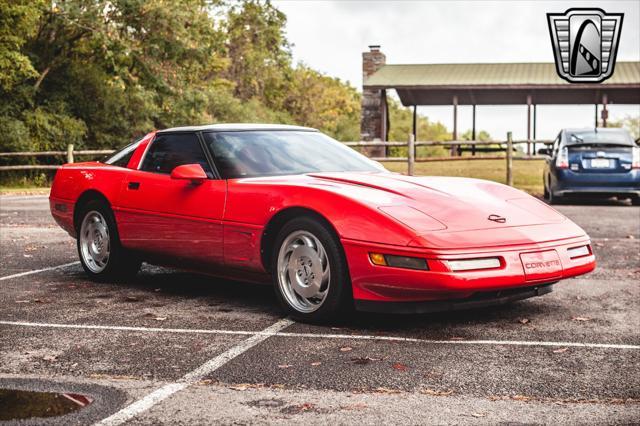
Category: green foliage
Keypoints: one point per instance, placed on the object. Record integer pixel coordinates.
(97, 73)
(482, 135)
(401, 120)
(632, 124)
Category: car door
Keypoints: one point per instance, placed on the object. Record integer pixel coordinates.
(177, 219)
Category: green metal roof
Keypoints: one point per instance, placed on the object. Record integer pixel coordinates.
(479, 75)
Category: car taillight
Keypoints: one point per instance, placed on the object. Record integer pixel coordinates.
(562, 161)
(635, 162)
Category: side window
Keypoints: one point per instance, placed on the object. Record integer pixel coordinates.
(556, 143)
(172, 150)
(122, 157)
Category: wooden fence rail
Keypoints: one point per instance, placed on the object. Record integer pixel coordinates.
(492, 146)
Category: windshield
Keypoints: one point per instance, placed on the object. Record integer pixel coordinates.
(592, 137)
(272, 153)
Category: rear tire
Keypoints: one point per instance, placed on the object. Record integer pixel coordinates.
(549, 197)
(310, 272)
(102, 256)
(635, 201)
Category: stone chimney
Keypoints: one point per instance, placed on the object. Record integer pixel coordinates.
(373, 121)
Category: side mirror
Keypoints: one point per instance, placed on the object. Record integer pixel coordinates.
(545, 151)
(192, 172)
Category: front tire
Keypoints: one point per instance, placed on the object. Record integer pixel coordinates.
(310, 272)
(102, 256)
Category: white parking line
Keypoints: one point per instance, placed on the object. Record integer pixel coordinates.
(210, 366)
(326, 336)
(37, 271)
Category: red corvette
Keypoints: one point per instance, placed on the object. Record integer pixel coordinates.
(330, 228)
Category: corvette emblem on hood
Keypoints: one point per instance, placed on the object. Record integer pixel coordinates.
(496, 218)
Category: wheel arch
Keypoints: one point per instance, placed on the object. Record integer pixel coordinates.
(85, 197)
(276, 223)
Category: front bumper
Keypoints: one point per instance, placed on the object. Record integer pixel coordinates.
(389, 284)
(481, 299)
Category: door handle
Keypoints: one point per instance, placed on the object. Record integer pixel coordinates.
(133, 185)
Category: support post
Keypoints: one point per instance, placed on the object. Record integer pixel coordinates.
(509, 159)
(411, 154)
(70, 153)
(473, 129)
(415, 122)
(528, 124)
(595, 124)
(535, 109)
(605, 112)
(454, 148)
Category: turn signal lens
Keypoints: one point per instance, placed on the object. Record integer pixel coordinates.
(473, 264)
(635, 162)
(399, 261)
(377, 259)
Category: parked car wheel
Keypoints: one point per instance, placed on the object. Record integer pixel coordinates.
(310, 271)
(550, 197)
(101, 254)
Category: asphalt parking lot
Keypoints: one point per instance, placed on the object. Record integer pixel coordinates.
(173, 347)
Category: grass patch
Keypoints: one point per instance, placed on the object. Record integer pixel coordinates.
(527, 175)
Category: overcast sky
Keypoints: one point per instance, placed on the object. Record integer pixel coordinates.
(330, 36)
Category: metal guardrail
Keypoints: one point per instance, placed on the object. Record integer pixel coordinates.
(463, 146)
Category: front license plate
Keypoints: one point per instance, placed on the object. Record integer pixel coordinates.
(599, 163)
(541, 265)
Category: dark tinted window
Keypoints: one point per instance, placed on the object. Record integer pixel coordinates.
(271, 153)
(172, 150)
(122, 157)
(600, 137)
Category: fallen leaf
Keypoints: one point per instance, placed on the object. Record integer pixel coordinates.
(631, 237)
(316, 363)
(241, 386)
(436, 392)
(400, 367)
(364, 360)
(560, 351)
(22, 301)
(456, 338)
(524, 321)
(160, 318)
(50, 357)
(285, 366)
(346, 349)
(521, 398)
(385, 390)
(478, 414)
(581, 319)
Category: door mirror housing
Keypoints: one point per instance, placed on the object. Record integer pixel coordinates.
(545, 151)
(193, 172)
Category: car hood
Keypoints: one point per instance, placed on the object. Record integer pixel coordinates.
(428, 204)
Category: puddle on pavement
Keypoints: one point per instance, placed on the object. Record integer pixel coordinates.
(20, 404)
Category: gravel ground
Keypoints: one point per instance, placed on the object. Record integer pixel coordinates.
(523, 363)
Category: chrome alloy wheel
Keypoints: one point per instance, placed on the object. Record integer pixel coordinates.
(94, 242)
(304, 273)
